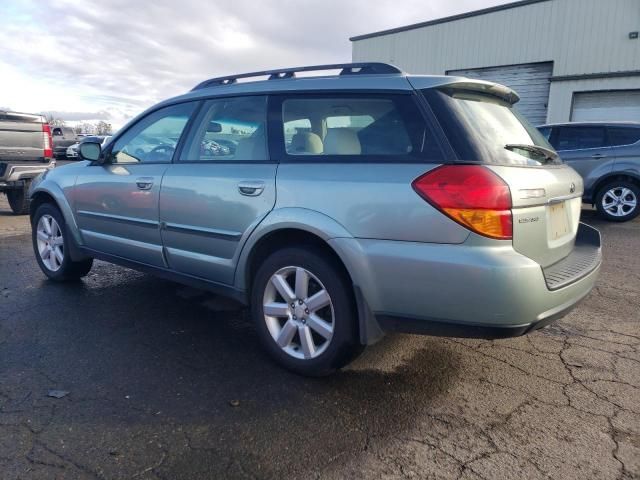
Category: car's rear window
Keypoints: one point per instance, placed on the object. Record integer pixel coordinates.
(479, 127)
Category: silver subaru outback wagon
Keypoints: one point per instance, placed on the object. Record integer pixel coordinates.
(338, 207)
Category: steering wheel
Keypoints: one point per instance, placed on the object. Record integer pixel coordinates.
(164, 151)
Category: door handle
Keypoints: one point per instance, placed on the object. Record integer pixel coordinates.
(251, 189)
(598, 155)
(144, 183)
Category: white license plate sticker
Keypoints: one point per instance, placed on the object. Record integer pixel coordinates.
(558, 224)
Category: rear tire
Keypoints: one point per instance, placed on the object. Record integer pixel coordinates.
(313, 329)
(19, 200)
(50, 239)
(618, 201)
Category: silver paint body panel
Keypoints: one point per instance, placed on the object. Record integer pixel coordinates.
(405, 256)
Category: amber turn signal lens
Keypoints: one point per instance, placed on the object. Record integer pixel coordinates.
(490, 223)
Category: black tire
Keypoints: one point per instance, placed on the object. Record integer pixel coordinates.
(344, 345)
(619, 185)
(69, 269)
(19, 200)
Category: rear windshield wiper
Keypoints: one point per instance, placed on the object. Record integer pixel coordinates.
(549, 155)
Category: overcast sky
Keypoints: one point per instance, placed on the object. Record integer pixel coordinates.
(110, 59)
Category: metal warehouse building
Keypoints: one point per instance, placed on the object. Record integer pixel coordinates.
(568, 59)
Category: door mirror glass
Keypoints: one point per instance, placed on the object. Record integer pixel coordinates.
(90, 151)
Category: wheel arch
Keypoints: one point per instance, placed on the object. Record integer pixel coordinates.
(51, 193)
(295, 227)
(286, 227)
(613, 176)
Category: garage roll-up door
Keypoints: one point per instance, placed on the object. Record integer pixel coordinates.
(606, 106)
(530, 81)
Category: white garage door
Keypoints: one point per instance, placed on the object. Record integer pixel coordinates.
(606, 106)
(530, 81)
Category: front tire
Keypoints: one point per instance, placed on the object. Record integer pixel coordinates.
(304, 312)
(51, 246)
(19, 200)
(618, 201)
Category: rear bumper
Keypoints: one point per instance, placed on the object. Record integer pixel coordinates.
(14, 174)
(444, 328)
(475, 289)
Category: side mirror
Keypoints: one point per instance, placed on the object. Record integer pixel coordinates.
(214, 127)
(90, 151)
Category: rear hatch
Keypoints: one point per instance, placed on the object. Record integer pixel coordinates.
(22, 138)
(483, 127)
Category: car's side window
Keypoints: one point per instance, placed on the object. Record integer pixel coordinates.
(578, 138)
(154, 138)
(229, 129)
(350, 127)
(618, 136)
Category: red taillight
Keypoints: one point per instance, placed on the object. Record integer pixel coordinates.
(48, 143)
(472, 195)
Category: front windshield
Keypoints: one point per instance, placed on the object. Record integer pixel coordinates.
(484, 128)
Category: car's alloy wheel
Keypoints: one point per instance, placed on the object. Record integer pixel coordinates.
(298, 312)
(51, 246)
(304, 310)
(50, 242)
(619, 201)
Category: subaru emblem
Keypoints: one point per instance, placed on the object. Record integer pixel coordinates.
(572, 188)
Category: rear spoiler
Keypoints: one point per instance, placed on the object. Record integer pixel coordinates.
(488, 88)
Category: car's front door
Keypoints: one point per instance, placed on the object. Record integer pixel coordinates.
(217, 191)
(116, 203)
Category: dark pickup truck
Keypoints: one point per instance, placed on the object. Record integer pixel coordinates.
(26, 150)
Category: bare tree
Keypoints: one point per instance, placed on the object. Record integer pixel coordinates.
(86, 127)
(103, 128)
(53, 120)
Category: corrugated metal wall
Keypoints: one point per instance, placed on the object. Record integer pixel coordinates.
(579, 36)
(531, 81)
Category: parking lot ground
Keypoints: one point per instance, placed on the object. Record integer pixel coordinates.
(166, 382)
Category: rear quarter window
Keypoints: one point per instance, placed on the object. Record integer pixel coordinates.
(354, 128)
(618, 136)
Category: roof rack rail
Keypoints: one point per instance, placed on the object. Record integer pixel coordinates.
(369, 68)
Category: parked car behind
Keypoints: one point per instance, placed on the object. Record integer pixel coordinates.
(63, 137)
(607, 155)
(72, 150)
(423, 204)
(25, 152)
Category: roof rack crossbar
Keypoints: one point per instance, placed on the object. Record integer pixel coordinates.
(345, 69)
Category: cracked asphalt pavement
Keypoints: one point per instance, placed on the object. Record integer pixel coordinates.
(167, 382)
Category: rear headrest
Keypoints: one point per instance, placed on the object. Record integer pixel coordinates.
(306, 143)
(342, 141)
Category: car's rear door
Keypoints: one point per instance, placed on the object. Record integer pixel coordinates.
(583, 147)
(217, 191)
(116, 203)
